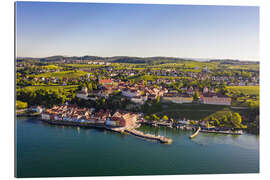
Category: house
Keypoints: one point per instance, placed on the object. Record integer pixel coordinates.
(186, 122)
(179, 99)
(190, 91)
(105, 82)
(171, 98)
(130, 92)
(45, 116)
(203, 123)
(137, 99)
(217, 99)
(205, 90)
(84, 90)
(83, 94)
(241, 83)
(37, 109)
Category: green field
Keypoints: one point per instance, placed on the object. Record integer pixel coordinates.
(152, 77)
(255, 67)
(51, 66)
(248, 90)
(52, 88)
(190, 111)
(62, 74)
(84, 65)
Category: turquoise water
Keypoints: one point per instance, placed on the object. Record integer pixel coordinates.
(49, 151)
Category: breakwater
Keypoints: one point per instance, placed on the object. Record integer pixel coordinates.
(195, 134)
(159, 138)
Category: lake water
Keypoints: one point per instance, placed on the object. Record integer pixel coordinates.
(49, 151)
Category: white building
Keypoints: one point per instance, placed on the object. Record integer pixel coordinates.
(137, 100)
(131, 93)
(45, 116)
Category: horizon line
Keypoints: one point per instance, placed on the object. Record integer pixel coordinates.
(254, 60)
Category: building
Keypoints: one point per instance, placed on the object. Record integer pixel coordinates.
(131, 92)
(45, 116)
(217, 99)
(205, 90)
(83, 94)
(137, 99)
(171, 98)
(185, 98)
(179, 99)
(38, 109)
(105, 82)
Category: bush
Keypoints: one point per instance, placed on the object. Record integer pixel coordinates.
(21, 105)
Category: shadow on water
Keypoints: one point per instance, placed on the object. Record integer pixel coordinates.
(32, 120)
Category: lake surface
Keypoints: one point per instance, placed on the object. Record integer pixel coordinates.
(49, 151)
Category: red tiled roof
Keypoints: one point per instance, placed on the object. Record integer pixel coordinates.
(105, 81)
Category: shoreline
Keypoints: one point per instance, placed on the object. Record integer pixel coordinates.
(116, 129)
(132, 131)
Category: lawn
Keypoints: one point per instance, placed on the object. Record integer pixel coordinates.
(61, 74)
(248, 90)
(189, 111)
(84, 65)
(46, 87)
(51, 66)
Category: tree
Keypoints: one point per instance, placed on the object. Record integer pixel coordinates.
(165, 118)
(147, 117)
(155, 117)
(21, 105)
(196, 95)
(158, 99)
(236, 120)
(90, 87)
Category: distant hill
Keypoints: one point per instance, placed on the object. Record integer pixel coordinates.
(135, 60)
(234, 62)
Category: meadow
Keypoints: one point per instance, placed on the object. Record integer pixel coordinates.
(63, 74)
(247, 90)
(47, 87)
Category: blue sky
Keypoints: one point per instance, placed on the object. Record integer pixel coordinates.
(76, 29)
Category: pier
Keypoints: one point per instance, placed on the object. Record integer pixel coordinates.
(159, 138)
(195, 134)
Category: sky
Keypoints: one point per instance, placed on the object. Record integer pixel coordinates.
(188, 31)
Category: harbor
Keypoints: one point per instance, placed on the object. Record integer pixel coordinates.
(197, 129)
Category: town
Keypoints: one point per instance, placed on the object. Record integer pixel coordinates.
(217, 96)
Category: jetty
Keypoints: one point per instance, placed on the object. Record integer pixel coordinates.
(159, 138)
(195, 134)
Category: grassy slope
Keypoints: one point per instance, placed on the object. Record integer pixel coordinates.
(53, 88)
(190, 111)
(61, 74)
(249, 90)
